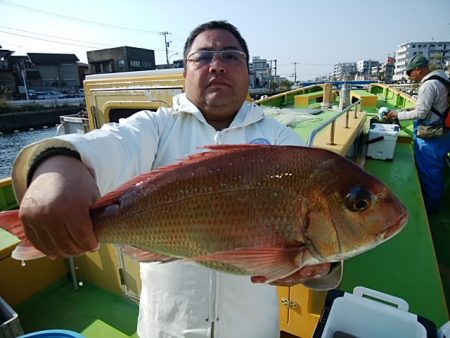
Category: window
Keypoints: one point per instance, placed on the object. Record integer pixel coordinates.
(135, 63)
(121, 64)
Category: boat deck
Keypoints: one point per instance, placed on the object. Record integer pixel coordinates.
(415, 265)
(91, 311)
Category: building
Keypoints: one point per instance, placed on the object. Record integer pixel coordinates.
(120, 59)
(260, 73)
(364, 69)
(438, 52)
(344, 71)
(38, 71)
(54, 71)
(387, 70)
(7, 81)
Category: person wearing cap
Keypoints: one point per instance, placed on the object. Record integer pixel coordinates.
(430, 153)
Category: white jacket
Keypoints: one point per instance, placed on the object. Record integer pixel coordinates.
(178, 299)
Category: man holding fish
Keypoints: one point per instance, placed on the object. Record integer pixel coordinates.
(59, 182)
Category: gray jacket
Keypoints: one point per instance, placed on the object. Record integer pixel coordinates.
(431, 93)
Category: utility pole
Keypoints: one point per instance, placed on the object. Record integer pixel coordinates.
(270, 73)
(166, 44)
(295, 72)
(275, 69)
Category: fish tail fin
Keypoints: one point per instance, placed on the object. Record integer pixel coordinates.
(10, 222)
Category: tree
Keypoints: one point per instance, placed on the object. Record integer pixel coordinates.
(285, 85)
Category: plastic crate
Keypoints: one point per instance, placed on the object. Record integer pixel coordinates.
(9, 321)
(370, 314)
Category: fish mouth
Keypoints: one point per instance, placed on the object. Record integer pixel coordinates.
(395, 227)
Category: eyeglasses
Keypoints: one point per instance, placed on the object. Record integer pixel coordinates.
(228, 57)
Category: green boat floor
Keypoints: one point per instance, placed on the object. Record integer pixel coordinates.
(440, 230)
(91, 311)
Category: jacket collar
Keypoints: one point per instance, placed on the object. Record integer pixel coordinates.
(437, 72)
(249, 112)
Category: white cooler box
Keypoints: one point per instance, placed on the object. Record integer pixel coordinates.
(382, 140)
(369, 313)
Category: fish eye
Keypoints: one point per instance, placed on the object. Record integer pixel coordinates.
(358, 199)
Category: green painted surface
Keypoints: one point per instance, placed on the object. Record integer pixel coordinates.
(91, 311)
(440, 230)
(313, 94)
(305, 128)
(7, 198)
(362, 92)
(7, 240)
(406, 265)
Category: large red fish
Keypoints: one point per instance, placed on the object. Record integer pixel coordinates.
(257, 210)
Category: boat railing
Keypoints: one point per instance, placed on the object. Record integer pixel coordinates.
(332, 121)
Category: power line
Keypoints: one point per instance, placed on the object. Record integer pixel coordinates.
(54, 36)
(76, 19)
(62, 43)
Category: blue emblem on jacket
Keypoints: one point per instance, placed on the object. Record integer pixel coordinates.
(259, 141)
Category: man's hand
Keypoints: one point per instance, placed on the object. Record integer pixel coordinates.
(392, 115)
(55, 208)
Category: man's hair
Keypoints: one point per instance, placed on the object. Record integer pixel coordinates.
(220, 24)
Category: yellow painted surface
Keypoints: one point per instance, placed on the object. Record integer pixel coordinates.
(300, 309)
(132, 276)
(149, 86)
(100, 268)
(17, 282)
(367, 99)
(344, 137)
(304, 100)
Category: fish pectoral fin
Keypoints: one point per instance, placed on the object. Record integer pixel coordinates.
(271, 262)
(25, 250)
(145, 256)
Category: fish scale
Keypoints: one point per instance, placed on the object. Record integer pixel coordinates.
(253, 209)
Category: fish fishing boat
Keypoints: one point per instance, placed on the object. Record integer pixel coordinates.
(97, 294)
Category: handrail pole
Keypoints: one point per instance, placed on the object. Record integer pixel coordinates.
(326, 123)
(333, 127)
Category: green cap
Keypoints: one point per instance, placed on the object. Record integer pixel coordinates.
(417, 61)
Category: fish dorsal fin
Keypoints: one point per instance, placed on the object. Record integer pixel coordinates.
(113, 196)
(214, 151)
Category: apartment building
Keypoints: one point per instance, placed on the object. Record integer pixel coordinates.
(438, 52)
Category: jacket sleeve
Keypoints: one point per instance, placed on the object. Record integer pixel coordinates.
(425, 99)
(113, 154)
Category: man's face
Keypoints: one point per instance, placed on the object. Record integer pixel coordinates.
(216, 83)
(414, 75)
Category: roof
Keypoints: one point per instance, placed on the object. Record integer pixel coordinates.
(51, 59)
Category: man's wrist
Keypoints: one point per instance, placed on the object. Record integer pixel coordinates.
(45, 155)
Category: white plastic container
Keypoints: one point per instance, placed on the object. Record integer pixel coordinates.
(356, 315)
(382, 140)
(10, 326)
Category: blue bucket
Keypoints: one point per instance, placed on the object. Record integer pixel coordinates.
(53, 334)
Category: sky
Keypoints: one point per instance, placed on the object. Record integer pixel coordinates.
(305, 37)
